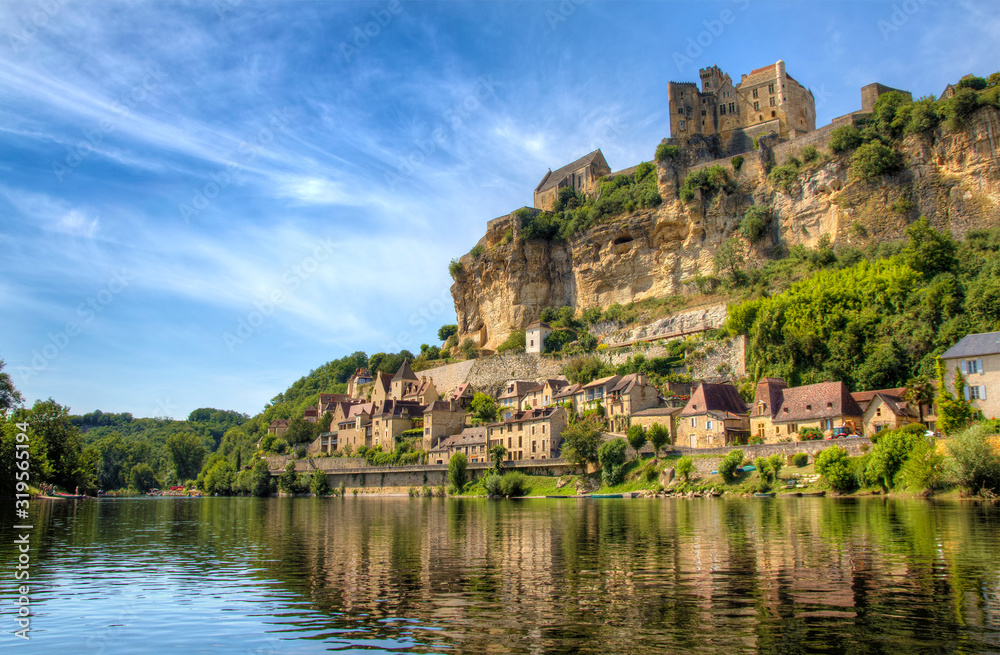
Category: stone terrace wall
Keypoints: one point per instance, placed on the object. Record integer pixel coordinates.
(491, 373)
(705, 465)
(675, 325)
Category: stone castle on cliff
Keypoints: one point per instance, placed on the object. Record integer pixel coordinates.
(722, 119)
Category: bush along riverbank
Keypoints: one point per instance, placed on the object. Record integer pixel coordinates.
(902, 462)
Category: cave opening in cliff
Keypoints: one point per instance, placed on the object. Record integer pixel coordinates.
(622, 239)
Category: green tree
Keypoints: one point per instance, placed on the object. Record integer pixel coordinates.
(729, 258)
(219, 478)
(515, 341)
(730, 464)
(10, 397)
(754, 223)
(889, 455)
(50, 422)
(685, 467)
(844, 138)
(141, 478)
(258, 479)
(319, 484)
(300, 431)
(288, 481)
(187, 454)
(11, 471)
(483, 407)
(975, 462)
(113, 465)
(953, 410)
(497, 455)
(446, 331)
(659, 436)
(581, 441)
(920, 392)
(457, 468)
(612, 457)
(636, 436)
(469, 348)
(929, 251)
(873, 160)
(834, 465)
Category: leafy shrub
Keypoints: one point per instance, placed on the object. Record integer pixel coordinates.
(800, 459)
(975, 464)
(515, 341)
(810, 434)
(737, 162)
(492, 484)
(455, 268)
(709, 180)
(810, 154)
(844, 138)
(658, 435)
(972, 82)
(664, 152)
(924, 467)
(784, 177)
(729, 465)
(685, 467)
(514, 484)
(611, 455)
(469, 348)
(960, 106)
(477, 250)
(755, 440)
(834, 465)
(873, 160)
(754, 223)
(508, 236)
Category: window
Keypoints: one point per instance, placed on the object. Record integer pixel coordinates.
(972, 366)
(732, 107)
(770, 88)
(427, 430)
(878, 411)
(680, 110)
(772, 101)
(533, 446)
(708, 425)
(703, 113)
(694, 421)
(722, 110)
(532, 342)
(755, 94)
(828, 425)
(975, 392)
(543, 428)
(756, 105)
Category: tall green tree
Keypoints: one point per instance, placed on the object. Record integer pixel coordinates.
(50, 422)
(636, 436)
(953, 410)
(582, 440)
(483, 407)
(141, 478)
(920, 392)
(446, 331)
(659, 436)
(187, 454)
(10, 397)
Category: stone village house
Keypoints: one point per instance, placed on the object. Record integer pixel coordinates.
(714, 416)
(529, 434)
(779, 413)
(978, 357)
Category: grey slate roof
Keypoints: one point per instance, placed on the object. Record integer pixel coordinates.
(974, 345)
(552, 178)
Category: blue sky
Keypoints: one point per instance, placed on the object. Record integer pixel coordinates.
(200, 202)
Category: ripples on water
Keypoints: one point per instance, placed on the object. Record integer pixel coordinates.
(401, 575)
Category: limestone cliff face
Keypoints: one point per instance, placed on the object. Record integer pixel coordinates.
(953, 179)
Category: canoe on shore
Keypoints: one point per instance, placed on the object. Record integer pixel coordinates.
(767, 495)
(605, 495)
(814, 493)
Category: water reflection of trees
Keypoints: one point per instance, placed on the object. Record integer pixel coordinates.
(558, 576)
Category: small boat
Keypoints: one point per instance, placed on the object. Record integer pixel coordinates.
(814, 493)
(59, 494)
(769, 494)
(606, 496)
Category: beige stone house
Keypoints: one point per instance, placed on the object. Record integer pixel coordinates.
(631, 394)
(779, 413)
(592, 395)
(583, 175)
(568, 395)
(530, 434)
(381, 388)
(442, 419)
(470, 441)
(422, 391)
(534, 337)
(511, 399)
(278, 426)
(390, 419)
(887, 412)
(360, 383)
(714, 416)
(402, 380)
(978, 357)
(355, 429)
(665, 416)
(544, 394)
(463, 395)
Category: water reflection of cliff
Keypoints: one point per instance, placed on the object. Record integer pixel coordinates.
(785, 575)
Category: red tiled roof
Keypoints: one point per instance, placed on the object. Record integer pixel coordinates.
(710, 397)
(816, 401)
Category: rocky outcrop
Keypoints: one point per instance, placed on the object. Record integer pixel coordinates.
(952, 178)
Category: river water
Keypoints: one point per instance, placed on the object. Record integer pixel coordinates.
(429, 575)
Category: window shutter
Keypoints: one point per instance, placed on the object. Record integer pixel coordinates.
(979, 366)
(965, 368)
(982, 392)
(968, 396)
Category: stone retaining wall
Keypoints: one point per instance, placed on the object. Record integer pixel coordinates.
(705, 465)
